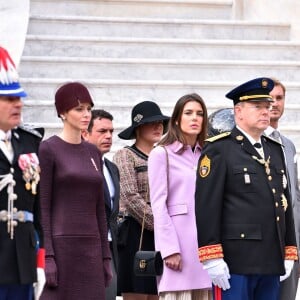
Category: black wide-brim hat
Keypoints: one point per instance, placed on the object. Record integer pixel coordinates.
(143, 113)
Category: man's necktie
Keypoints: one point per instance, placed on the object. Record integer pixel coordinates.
(275, 135)
(8, 149)
(106, 193)
(258, 147)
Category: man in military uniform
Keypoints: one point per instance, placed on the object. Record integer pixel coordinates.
(244, 218)
(21, 238)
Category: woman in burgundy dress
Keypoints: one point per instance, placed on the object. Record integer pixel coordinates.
(72, 204)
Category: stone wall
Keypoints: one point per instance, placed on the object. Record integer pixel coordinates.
(14, 16)
(286, 11)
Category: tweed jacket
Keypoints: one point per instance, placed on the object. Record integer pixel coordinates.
(243, 207)
(133, 168)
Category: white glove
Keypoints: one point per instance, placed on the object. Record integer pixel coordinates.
(39, 285)
(288, 265)
(218, 272)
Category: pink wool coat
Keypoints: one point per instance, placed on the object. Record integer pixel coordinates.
(174, 215)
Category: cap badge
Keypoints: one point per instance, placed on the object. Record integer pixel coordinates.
(138, 118)
(264, 83)
(204, 168)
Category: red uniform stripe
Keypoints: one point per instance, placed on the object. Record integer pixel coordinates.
(218, 293)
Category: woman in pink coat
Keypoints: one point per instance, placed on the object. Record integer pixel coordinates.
(172, 188)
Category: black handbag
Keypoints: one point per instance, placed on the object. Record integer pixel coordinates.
(148, 263)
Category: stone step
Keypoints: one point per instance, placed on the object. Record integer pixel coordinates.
(114, 47)
(220, 9)
(127, 51)
(114, 92)
(156, 69)
(157, 28)
(43, 110)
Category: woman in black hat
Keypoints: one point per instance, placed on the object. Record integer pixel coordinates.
(147, 127)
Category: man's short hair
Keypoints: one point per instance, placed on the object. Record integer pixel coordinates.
(99, 114)
(279, 83)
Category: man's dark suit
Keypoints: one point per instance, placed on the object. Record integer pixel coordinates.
(112, 213)
(288, 287)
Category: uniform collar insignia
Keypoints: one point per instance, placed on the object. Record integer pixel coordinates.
(16, 135)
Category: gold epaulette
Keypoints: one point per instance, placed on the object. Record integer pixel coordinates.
(210, 252)
(39, 132)
(217, 137)
(291, 252)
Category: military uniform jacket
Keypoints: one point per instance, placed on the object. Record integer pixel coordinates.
(18, 255)
(240, 209)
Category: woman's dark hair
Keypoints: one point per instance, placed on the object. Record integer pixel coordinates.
(174, 132)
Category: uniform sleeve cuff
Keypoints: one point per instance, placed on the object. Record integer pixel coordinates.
(210, 252)
(40, 258)
(291, 253)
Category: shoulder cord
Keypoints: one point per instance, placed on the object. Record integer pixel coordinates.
(8, 180)
(147, 193)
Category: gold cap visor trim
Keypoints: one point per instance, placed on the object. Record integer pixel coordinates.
(246, 98)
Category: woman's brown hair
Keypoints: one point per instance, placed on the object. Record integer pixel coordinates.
(174, 132)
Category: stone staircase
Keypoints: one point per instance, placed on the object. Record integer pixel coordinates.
(127, 51)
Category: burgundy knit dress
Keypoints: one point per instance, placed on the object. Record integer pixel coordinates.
(73, 219)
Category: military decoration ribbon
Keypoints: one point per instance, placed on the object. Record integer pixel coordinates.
(29, 164)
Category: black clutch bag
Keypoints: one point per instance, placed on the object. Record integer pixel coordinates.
(148, 263)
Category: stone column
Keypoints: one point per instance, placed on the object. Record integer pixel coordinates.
(14, 16)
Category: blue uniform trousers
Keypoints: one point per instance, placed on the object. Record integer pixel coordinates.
(249, 287)
(16, 292)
